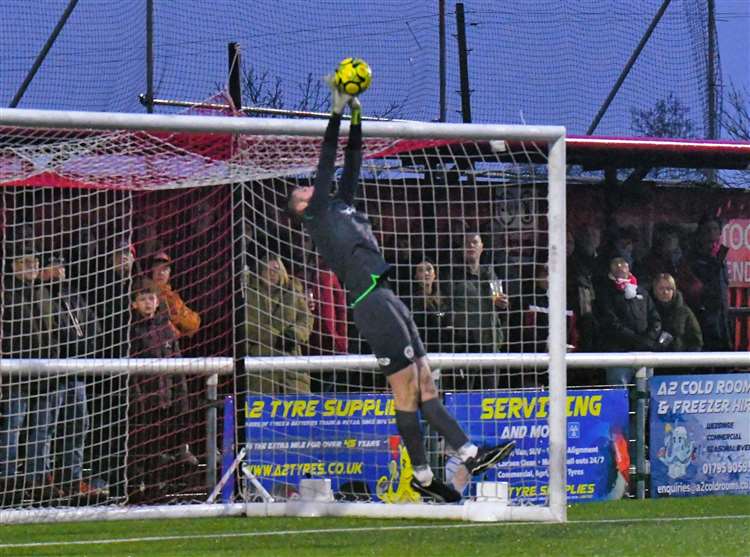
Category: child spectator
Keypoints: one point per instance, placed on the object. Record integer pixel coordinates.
(159, 400)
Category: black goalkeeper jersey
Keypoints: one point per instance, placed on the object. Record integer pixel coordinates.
(343, 235)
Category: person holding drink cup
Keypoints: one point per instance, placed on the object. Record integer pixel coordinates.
(476, 300)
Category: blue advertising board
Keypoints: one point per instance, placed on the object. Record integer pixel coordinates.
(598, 461)
(700, 435)
(351, 439)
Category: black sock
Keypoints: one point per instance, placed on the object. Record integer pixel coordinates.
(445, 424)
(407, 424)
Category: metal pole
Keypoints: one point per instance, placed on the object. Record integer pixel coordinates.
(711, 67)
(463, 63)
(641, 393)
(235, 86)
(43, 53)
(628, 66)
(258, 110)
(211, 430)
(713, 131)
(557, 332)
(150, 56)
(442, 59)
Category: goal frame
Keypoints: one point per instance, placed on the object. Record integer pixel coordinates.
(551, 136)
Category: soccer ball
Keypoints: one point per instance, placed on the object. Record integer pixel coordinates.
(353, 76)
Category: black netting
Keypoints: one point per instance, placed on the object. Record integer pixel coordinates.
(542, 62)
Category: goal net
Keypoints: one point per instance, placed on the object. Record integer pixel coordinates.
(146, 256)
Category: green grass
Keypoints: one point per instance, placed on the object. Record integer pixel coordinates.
(665, 527)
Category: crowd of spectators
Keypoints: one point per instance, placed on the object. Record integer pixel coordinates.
(675, 298)
(55, 425)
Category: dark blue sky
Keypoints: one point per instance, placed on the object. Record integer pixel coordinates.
(541, 62)
(733, 23)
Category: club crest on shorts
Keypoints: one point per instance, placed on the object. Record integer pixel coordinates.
(409, 351)
(384, 362)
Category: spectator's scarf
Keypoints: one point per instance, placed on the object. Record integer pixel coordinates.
(628, 286)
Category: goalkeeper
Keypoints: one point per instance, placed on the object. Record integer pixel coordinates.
(345, 241)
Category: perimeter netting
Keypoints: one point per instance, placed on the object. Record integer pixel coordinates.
(549, 61)
(197, 221)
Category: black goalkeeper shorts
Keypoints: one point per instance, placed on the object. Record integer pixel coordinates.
(387, 325)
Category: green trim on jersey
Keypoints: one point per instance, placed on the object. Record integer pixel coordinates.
(375, 280)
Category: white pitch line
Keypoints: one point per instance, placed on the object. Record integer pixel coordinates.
(367, 529)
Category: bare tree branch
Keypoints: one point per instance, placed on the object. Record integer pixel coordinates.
(736, 117)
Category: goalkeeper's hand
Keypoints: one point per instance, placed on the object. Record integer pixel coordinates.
(339, 100)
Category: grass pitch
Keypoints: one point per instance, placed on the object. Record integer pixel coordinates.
(704, 526)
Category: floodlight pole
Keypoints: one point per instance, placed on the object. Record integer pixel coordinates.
(235, 86)
(628, 66)
(713, 125)
(463, 63)
(442, 64)
(43, 53)
(149, 56)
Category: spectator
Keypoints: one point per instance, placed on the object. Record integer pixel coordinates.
(666, 257)
(110, 391)
(712, 308)
(113, 300)
(27, 333)
(401, 259)
(327, 302)
(185, 320)
(76, 331)
(627, 317)
(536, 315)
(278, 322)
(677, 319)
(159, 401)
(582, 277)
(430, 309)
(619, 242)
(476, 295)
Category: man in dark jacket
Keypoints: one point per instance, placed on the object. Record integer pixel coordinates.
(627, 317)
(110, 391)
(27, 324)
(707, 261)
(76, 331)
(475, 298)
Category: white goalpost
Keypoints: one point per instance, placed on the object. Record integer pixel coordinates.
(205, 196)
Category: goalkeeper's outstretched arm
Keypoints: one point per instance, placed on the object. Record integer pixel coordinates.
(326, 165)
(327, 161)
(352, 156)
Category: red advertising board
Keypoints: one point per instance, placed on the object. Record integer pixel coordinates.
(736, 236)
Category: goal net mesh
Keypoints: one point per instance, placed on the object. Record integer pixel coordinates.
(135, 244)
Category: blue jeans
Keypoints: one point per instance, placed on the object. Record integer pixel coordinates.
(42, 413)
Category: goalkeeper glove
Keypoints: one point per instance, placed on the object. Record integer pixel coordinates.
(339, 100)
